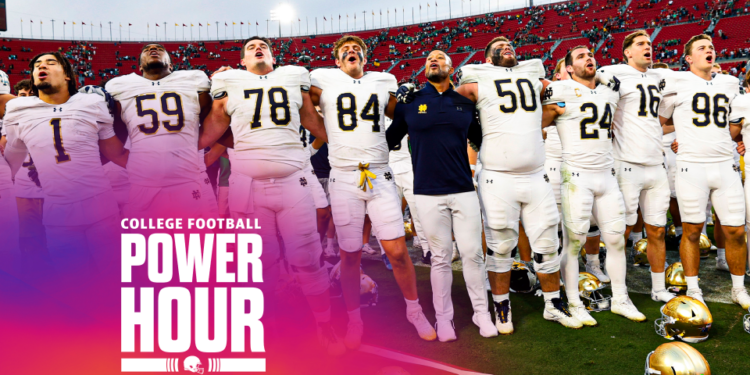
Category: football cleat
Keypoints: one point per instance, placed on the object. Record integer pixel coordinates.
(556, 310)
(367, 249)
(578, 311)
(697, 294)
(484, 322)
(662, 295)
(446, 331)
(721, 264)
(740, 297)
(596, 271)
(427, 257)
(329, 251)
(503, 317)
(684, 318)
(623, 306)
(456, 254)
(669, 357)
(387, 262)
(424, 328)
(353, 338)
(329, 340)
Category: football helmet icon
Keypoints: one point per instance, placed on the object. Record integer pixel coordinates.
(193, 364)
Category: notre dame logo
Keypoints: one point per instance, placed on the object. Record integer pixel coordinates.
(547, 94)
(662, 85)
(458, 75)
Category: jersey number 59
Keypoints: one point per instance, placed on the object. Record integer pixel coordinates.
(165, 109)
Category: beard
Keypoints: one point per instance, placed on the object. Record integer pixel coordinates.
(499, 60)
(47, 88)
(155, 66)
(583, 74)
(438, 76)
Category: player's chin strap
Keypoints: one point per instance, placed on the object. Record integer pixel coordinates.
(365, 176)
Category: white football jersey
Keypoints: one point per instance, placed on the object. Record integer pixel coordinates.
(584, 128)
(399, 159)
(700, 110)
(354, 112)
(552, 145)
(510, 112)
(637, 129)
(25, 187)
(4, 83)
(265, 113)
(63, 139)
(6, 175)
(163, 123)
(740, 111)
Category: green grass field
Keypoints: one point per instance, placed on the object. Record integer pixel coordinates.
(616, 346)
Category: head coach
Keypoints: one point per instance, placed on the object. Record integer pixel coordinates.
(439, 121)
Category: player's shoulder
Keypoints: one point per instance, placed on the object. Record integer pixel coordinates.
(379, 77)
(180, 75)
(116, 83)
(741, 102)
(728, 81)
(533, 67)
(23, 102)
(4, 83)
(622, 71)
(325, 73)
(471, 73)
(557, 91)
(291, 70)
(230, 75)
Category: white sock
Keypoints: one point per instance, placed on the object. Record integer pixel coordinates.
(692, 282)
(548, 296)
(323, 316)
(635, 237)
(501, 297)
(738, 281)
(413, 305)
(355, 316)
(721, 254)
(657, 281)
(678, 230)
(593, 259)
(704, 229)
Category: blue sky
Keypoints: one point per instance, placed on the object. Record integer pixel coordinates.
(141, 13)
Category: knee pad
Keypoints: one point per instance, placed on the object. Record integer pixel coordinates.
(313, 283)
(498, 262)
(304, 253)
(547, 263)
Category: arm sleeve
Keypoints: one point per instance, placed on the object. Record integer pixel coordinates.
(398, 129)
(475, 131)
(202, 82)
(739, 108)
(390, 83)
(219, 86)
(105, 122)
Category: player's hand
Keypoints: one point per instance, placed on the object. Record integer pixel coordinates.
(674, 146)
(741, 148)
(405, 93)
(34, 176)
(608, 80)
(98, 90)
(222, 69)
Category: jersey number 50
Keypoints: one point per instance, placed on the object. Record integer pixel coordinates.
(521, 95)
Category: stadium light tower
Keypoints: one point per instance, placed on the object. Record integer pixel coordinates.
(282, 13)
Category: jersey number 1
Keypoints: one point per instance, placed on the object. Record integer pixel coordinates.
(61, 156)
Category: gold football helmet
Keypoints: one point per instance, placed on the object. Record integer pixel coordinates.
(676, 358)
(408, 231)
(675, 278)
(602, 253)
(684, 318)
(705, 246)
(522, 280)
(639, 253)
(589, 286)
(671, 231)
(746, 322)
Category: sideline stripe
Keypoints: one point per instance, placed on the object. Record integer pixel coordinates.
(409, 358)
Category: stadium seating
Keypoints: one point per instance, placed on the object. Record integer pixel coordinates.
(545, 32)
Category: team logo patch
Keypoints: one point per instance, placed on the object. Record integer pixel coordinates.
(206, 181)
(546, 178)
(388, 176)
(303, 181)
(547, 94)
(220, 95)
(613, 171)
(662, 85)
(578, 92)
(422, 108)
(196, 194)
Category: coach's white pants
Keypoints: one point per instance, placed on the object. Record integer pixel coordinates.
(405, 186)
(459, 214)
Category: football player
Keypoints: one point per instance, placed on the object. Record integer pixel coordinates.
(265, 107)
(741, 112)
(9, 226)
(64, 132)
(583, 110)
(639, 160)
(354, 105)
(700, 107)
(512, 184)
(162, 110)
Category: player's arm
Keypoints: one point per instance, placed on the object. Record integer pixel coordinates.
(311, 119)
(3, 101)
(15, 150)
(205, 100)
(390, 109)
(735, 129)
(315, 93)
(315, 146)
(112, 149)
(469, 91)
(216, 123)
(550, 112)
(475, 132)
(472, 158)
(398, 128)
(667, 125)
(216, 151)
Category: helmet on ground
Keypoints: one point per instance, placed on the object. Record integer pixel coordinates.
(522, 279)
(704, 245)
(640, 257)
(589, 286)
(684, 318)
(676, 358)
(675, 278)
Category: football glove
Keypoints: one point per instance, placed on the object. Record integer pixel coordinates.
(34, 176)
(98, 90)
(608, 80)
(405, 93)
